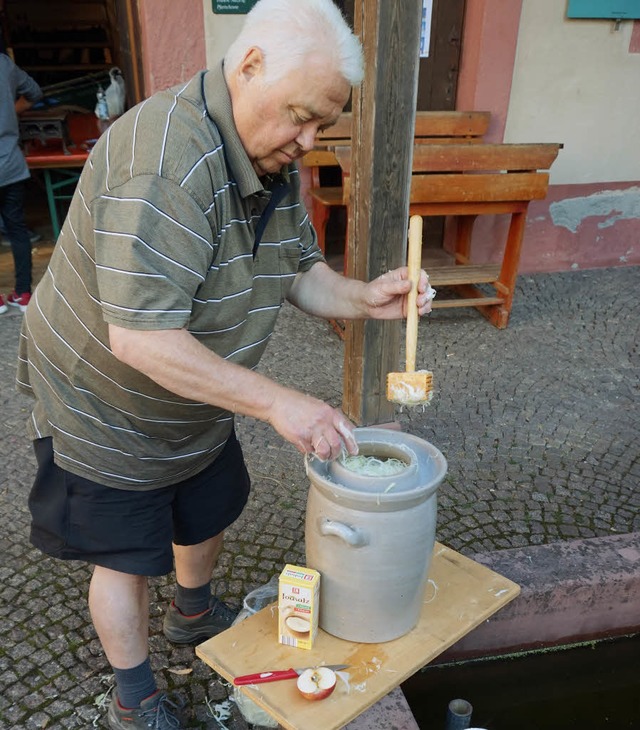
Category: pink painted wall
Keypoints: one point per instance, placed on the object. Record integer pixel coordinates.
(576, 226)
(490, 38)
(173, 47)
(634, 45)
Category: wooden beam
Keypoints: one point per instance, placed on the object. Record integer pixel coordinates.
(382, 140)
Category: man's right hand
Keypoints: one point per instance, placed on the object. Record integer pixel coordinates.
(311, 425)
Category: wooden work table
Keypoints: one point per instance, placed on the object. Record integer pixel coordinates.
(60, 160)
(460, 594)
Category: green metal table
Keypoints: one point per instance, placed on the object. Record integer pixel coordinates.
(61, 172)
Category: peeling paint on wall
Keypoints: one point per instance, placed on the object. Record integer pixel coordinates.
(613, 205)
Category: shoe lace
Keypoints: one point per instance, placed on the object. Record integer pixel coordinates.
(221, 610)
(162, 717)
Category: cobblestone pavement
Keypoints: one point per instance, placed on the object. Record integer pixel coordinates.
(537, 422)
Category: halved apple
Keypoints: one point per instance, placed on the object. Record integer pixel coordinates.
(316, 683)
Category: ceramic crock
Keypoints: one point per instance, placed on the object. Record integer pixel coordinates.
(372, 538)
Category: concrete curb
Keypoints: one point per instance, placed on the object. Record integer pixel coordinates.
(571, 592)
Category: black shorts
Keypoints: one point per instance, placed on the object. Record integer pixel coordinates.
(76, 519)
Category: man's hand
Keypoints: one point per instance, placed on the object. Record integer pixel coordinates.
(23, 104)
(386, 296)
(312, 426)
(323, 292)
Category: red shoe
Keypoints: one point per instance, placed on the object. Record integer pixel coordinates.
(19, 300)
(3, 306)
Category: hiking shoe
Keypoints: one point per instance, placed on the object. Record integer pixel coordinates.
(183, 629)
(157, 712)
(3, 306)
(19, 300)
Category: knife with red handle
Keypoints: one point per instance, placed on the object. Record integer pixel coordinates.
(279, 674)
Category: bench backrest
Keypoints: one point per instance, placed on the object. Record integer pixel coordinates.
(461, 126)
(473, 173)
(432, 127)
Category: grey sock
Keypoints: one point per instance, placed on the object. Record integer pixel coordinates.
(135, 685)
(191, 601)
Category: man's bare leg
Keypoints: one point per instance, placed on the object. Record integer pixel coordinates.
(195, 563)
(119, 606)
(194, 615)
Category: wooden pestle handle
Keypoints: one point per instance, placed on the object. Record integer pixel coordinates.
(414, 262)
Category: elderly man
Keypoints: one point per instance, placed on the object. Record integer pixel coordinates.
(184, 238)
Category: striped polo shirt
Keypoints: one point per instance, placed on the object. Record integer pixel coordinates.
(160, 234)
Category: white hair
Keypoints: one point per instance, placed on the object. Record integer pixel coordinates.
(288, 31)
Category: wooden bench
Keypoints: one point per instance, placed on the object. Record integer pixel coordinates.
(465, 181)
(437, 127)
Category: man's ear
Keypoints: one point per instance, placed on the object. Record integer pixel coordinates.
(252, 64)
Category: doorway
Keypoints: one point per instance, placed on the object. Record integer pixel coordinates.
(437, 87)
(438, 74)
(70, 45)
(68, 48)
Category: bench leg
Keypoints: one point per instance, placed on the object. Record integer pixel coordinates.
(320, 218)
(464, 229)
(506, 284)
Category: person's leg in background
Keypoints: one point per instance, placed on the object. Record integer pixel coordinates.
(34, 236)
(202, 510)
(12, 212)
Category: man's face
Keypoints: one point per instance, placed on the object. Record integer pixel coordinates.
(278, 123)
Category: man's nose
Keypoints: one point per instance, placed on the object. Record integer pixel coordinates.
(307, 137)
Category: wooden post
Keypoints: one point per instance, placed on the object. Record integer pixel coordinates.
(382, 140)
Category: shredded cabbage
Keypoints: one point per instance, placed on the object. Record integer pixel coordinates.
(371, 466)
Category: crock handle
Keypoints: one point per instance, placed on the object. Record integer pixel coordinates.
(350, 535)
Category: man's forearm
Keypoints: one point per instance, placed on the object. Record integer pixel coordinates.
(22, 104)
(178, 362)
(322, 292)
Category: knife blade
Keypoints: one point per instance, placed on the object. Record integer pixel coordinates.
(278, 674)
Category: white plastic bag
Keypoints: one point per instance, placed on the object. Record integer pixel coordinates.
(255, 601)
(116, 93)
(101, 110)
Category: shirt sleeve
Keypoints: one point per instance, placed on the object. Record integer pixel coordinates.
(26, 86)
(154, 246)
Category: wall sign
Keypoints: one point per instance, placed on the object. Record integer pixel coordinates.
(615, 9)
(233, 7)
(425, 29)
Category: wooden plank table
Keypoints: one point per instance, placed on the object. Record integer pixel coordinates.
(460, 594)
(61, 161)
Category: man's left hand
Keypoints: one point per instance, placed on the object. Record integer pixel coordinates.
(386, 296)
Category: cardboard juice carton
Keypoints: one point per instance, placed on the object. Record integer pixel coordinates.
(298, 606)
